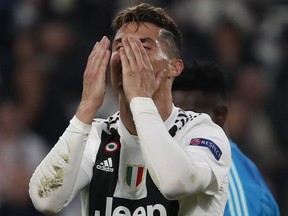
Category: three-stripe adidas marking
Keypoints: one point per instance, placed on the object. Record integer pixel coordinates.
(106, 165)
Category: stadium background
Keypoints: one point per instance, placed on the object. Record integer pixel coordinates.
(44, 45)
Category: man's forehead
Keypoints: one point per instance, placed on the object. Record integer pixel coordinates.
(139, 30)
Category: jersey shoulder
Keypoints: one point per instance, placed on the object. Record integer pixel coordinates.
(185, 119)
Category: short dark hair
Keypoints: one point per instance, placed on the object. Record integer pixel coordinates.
(204, 76)
(155, 15)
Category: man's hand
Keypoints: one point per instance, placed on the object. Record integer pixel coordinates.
(139, 78)
(94, 81)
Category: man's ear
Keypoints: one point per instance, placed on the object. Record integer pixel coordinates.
(176, 67)
(220, 113)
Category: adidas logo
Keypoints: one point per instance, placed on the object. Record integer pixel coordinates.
(106, 165)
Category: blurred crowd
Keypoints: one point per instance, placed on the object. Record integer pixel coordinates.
(44, 45)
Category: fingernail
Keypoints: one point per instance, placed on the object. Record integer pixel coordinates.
(103, 38)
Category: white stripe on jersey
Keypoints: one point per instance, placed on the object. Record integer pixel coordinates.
(238, 206)
(230, 204)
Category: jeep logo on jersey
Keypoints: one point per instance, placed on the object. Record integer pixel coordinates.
(111, 147)
(215, 150)
(149, 210)
(134, 176)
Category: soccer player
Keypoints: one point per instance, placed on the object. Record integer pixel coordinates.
(150, 158)
(203, 88)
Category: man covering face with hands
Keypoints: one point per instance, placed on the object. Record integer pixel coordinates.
(150, 158)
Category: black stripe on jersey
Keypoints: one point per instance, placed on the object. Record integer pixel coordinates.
(103, 182)
(181, 119)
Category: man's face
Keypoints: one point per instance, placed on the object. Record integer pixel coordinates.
(155, 46)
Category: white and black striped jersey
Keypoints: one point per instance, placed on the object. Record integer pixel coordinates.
(122, 174)
(121, 184)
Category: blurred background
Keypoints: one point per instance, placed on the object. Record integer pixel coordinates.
(44, 45)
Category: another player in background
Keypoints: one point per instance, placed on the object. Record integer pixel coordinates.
(150, 158)
(202, 87)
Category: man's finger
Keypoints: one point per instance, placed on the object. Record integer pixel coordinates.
(104, 63)
(124, 60)
(135, 46)
(100, 51)
(129, 52)
(144, 54)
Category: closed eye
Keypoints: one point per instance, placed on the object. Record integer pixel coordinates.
(147, 45)
(147, 48)
(118, 47)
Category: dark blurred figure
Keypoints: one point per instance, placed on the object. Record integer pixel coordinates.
(248, 120)
(279, 111)
(6, 21)
(203, 87)
(21, 150)
(230, 48)
(251, 125)
(41, 103)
